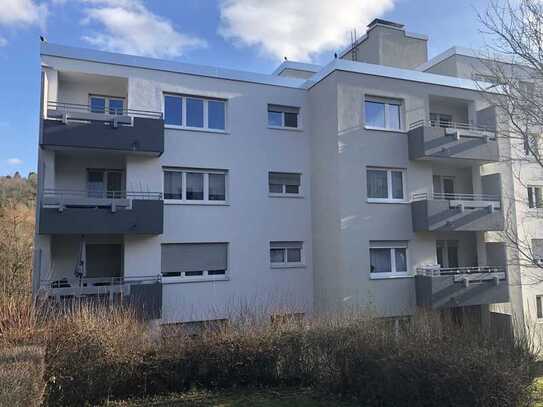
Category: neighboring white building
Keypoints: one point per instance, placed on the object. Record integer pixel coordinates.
(200, 193)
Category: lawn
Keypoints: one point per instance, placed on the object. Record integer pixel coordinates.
(256, 398)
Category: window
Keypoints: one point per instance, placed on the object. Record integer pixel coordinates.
(388, 259)
(194, 112)
(447, 253)
(194, 260)
(283, 116)
(380, 114)
(286, 254)
(539, 306)
(284, 183)
(106, 104)
(385, 185)
(104, 183)
(531, 144)
(195, 185)
(535, 197)
(537, 251)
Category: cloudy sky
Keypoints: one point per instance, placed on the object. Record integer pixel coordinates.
(241, 34)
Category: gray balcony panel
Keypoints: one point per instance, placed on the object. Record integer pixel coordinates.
(146, 136)
(444, 216)
(447, 291)
(426, 142)
(146, 216)
(146, 299)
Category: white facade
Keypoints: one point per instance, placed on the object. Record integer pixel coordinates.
(357, 250)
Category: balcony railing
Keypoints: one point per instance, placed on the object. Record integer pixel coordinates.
(434, 271)
(479, 200)
(75, 111)
(62, 198)
(473, 131)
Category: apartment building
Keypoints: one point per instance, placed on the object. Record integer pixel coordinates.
(374, 182)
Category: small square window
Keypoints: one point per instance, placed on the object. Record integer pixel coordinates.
(116, 106)
(284, 183)
(382, 114)
(286, 253)
(388, 261)
(276, 188)
(385, 185)
(294, 255)
(277, 255)
(291, 119)
(275, 119)
(283, 116)
(98, 104)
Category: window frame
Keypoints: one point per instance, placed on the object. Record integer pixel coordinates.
(205, 276)
(205, 118)
(284, 194)
(107, 99)
(386, 102)
(533, 188)
(390, 198)
(282, 126)
(539, 307)
(286, 263)
(205, 200)
(393, 273)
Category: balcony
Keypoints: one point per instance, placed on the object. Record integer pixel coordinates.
(76, 126)
(144, 293)
(440, 212)
(463, 286)
(451, 140)
(91, 212)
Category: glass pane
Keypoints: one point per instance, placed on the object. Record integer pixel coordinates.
(217, 187)
(114, 184)
(380, 261)
(439, 254)
(195, 186)
(277, 255)
(531, 197)
(195, 112)
(397, 184)
(375, 114)
(291, 119)
(215, 114)
(538, 197)
(539, 307)
(393, 117)
(95, 184)
(116, 106)
(377, 184)
(275, 119)
(276, 188)
(173, 184)
(452, 256)
(294, 255)
(173, 109)
(97, 104)
(292, 189)
(401, 260)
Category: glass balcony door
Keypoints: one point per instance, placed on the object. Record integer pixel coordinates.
(104, 183)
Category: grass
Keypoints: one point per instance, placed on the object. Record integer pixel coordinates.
(246, 398)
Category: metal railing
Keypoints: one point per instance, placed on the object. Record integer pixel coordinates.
(422, 196)
(94, 285)
(97, 194)
(72, 110)
(433, 271)
(453, 125)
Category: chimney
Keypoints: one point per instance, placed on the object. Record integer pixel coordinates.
(387, 43)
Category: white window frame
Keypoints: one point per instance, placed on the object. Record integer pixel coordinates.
(205, 201)
(283, 127)
(205, 276)
(284, 194)
(205, 100)
(386, 102)
(539, 307)
(389, 185)
(393, 273)
(107, 99)
(533, 188)
(286, 263)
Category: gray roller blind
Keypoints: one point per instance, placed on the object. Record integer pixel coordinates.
(287, 245)
(286, 178)
(182, 257)
(388, 243)
(286, 109)
(537, 248)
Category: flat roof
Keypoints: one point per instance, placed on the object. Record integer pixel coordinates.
(298, 66)
(84, 54)
(467, 52)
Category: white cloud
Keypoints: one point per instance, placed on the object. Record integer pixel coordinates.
(3, 42)
(14, 161)
(22, 12)
(297, 29)
(129, 27)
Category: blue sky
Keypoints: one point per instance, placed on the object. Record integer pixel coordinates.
(250, 35)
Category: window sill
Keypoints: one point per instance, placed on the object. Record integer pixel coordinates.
(387, 201)
(385, 129)
(389, 276)
(295, 196)
(197, 203)
(287, 266)
(198, 129)
(299, 129)
(184, 280)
